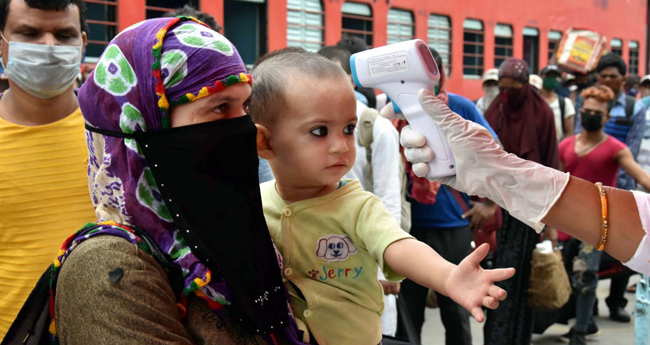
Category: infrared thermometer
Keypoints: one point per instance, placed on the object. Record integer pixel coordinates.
(401, 70)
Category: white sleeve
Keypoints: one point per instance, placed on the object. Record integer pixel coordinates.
(385, 166)
(569, 109)
(640, 262)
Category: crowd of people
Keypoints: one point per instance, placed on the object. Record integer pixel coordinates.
(168, 194)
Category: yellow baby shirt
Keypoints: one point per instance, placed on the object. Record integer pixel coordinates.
(331, 248)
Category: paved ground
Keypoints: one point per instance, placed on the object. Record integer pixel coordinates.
(611, 332)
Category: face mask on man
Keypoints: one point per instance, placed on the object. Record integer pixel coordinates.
(44, 71)
(491, 92)
(550, 83)
(591, 122)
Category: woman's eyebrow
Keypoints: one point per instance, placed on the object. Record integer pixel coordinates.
(219, 99)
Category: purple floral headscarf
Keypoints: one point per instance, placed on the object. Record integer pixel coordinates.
(145, 70)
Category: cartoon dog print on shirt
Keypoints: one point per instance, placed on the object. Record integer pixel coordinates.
(335, 248)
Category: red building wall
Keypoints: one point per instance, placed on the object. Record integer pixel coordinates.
(625, 20)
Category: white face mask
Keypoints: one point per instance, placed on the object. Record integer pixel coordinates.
(44, 71)
(491, 92)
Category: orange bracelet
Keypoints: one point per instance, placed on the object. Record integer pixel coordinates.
(605, 225)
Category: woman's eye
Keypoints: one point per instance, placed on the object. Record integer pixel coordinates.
(245, 107)
(319, 131)
(349, 129)
(221, 108)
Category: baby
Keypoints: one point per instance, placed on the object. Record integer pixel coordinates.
(333, 235)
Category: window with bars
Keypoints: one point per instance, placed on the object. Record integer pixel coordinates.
(531, 49)
(305, 24)
(554, 38)
(156, 8)
(401, 26)
(357, 21)
(634, 57)
(617, 46)
(473, 45)
(439, 38)
(503, 46)
(102, 22)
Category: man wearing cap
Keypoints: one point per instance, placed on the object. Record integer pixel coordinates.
(562, 107)
(644, 90)
(536, 82)
(490, 89)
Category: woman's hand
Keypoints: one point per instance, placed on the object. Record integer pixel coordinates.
(526, 189)
(473, 287)
(549, 234)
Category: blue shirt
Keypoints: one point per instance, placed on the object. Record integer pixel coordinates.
(446, 212)
(646, 132)
(631, 134)
(264, 171)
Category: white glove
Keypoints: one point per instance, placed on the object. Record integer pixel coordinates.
(526, 189)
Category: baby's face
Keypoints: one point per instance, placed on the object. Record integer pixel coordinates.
(314, 140)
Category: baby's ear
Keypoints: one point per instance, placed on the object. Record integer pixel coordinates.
(264, 148)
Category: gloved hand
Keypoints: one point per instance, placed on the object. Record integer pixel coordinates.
(526, 189)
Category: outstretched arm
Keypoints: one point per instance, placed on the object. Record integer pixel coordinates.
(578, 213)
(534, 194)
(467, 284)
(627, 162)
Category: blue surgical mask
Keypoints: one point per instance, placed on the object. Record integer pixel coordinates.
(44, 71)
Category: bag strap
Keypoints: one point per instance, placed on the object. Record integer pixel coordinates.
(31, 324)
(459, 199)
(174, 272)
(562, 101)
(629, 106)
(366, 125)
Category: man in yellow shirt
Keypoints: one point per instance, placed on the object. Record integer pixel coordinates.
(43, 183)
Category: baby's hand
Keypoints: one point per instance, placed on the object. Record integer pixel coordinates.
(473, 287)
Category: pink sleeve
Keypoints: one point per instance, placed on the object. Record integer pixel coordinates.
(640, 262)
(562, 149)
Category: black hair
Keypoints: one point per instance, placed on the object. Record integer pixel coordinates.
(352, 44)
(632, 80)
(437, 58)
(190, 11)
(611, 60)
(337, 54)
(46, 5)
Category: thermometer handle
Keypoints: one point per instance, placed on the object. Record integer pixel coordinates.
(443, 164)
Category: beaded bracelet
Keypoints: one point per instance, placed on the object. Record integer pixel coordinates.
(605, 224)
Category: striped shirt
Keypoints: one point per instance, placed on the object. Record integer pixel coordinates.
(44, 198)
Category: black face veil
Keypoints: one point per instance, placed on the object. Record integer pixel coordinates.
(207, 175)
